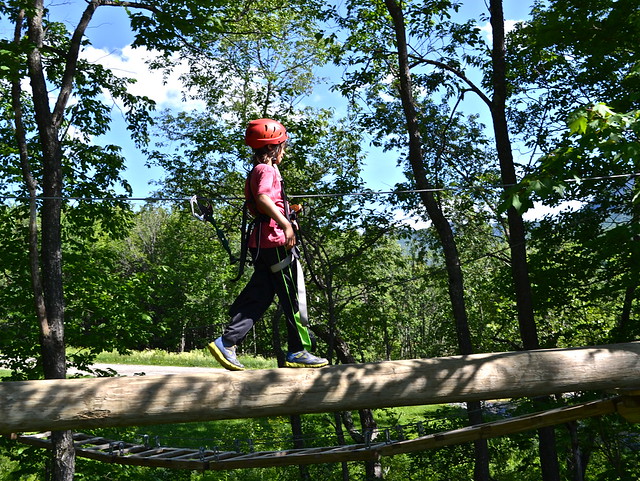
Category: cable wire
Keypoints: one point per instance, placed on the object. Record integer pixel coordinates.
(314, 196)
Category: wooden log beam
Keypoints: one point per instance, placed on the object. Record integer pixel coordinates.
(120, 452)
(504, 427)
(145, 400)
(629, 408)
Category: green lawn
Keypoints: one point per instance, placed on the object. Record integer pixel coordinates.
(153, 357)
(200, 358)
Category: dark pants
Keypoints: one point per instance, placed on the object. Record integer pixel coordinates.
(258, 295)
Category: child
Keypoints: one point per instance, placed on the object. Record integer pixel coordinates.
(272, 245)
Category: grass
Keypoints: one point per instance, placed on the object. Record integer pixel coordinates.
(199, 358)
(155, 357)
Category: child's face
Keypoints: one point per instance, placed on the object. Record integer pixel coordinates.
(281, 154)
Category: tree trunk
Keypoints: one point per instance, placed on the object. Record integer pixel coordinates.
(32, 187)
(575, 460)
(373, 469)
(298, 443)
(517, 239)
(626, 327)
(341, 442)
(46, 270)
(441, 224)
(294, 420)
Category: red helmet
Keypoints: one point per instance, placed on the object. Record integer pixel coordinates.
(262, 132)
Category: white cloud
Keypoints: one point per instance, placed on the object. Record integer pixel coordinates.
(411, 219)
(508, 26)
(539, 210)
(167, 92)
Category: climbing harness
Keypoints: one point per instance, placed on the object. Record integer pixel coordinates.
(202, 210)
(294, 255)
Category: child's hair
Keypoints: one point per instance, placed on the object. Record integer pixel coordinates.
(267, 153)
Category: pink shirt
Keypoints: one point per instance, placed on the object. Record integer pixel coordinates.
(265, 179)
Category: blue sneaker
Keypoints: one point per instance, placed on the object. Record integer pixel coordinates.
(304, 359)
(226, 356)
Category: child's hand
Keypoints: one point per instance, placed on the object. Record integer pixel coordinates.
(290, 236)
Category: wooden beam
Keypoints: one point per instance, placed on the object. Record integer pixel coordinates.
(629, 408)
(502, 427)
(194, 459)
(145, 400)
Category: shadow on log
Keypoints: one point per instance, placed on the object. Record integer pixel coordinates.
(146, 400)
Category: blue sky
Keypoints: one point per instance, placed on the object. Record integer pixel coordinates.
(110, 36)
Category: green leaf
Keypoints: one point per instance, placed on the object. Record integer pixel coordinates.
(578, 125)
(516, 203)
(602, 110)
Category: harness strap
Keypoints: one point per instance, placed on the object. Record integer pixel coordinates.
(282, 264)
(302, 296)
(294, 255)
(244, 242)
(206, 215)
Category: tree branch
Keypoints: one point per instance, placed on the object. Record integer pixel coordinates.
(458, 73)
(32, 187)
(71, 65)
(66, 86)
